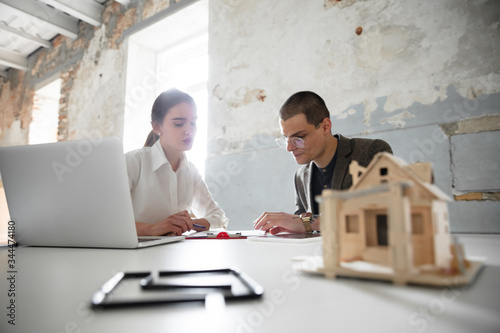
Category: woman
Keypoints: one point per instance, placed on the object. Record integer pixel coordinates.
(165, 187)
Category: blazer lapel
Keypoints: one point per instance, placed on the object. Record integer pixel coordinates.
(307, 180)
(342, 163)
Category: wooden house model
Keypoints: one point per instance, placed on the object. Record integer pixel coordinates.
(392, 224)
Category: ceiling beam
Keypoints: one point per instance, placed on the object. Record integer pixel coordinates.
(14, 60)
(42, 15)
(86, 10)
(25, 35)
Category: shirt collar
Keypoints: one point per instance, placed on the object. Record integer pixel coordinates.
(158, 157)
(328, 170)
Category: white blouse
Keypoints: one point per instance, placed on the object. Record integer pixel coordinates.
(158, 192)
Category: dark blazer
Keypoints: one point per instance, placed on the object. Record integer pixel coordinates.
(361, 150)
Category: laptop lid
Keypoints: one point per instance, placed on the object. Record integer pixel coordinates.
(71, 194)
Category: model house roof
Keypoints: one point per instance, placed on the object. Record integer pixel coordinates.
(417, 173)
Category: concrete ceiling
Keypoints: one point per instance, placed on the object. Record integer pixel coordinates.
(26, 25)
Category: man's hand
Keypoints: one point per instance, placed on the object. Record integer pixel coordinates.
(279, 222)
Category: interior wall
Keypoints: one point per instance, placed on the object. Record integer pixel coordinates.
(423, 76)
(420, 75)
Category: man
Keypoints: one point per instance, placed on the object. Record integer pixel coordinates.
(306, 127)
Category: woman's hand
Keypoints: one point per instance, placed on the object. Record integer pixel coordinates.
(201, 222)
(174, 225)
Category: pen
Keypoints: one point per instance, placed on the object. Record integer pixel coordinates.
(199, 226)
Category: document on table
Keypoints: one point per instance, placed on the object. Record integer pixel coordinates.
(240, 233)
(258, 235)
(285, 237)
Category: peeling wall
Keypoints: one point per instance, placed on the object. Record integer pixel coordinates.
(397, 70)
(416, 74)
(409, 52)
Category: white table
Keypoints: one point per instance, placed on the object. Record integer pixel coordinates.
(54, 287)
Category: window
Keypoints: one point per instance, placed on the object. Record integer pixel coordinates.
(383, 171)
(45, 117)
(172, 53)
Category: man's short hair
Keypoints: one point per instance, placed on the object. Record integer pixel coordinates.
(308, 103)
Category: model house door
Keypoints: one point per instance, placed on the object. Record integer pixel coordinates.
(377, 239)
(422, 236)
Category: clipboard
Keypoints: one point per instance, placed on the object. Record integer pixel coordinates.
(217, 235)
(286, 237)
(164, 287)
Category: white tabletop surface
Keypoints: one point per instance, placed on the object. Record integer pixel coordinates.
(54, 286)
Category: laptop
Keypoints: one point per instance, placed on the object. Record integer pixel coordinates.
(71, 194)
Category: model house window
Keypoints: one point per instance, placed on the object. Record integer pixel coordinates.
(352, 224)
(383, 176)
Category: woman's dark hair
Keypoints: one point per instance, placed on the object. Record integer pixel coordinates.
(163, 103)
(308, 103)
